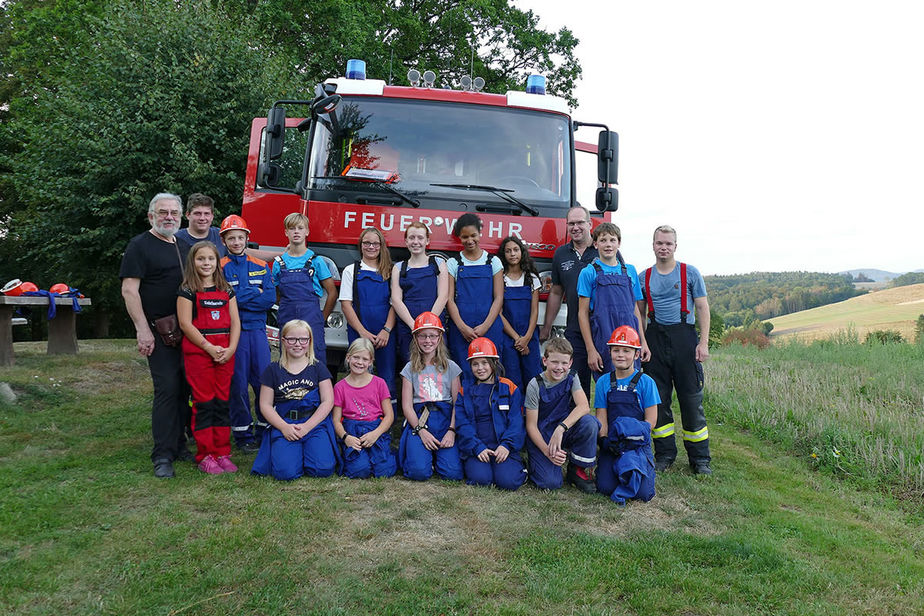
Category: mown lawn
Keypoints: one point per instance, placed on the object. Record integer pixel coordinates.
(86, 529)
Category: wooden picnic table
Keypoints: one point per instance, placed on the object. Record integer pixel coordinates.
(62, 330)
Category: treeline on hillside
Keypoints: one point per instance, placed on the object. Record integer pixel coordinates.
(907, 279)
(744, 299)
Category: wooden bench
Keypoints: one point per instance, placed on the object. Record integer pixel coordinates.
(62, 330)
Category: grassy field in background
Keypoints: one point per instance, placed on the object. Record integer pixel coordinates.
(86, 529)
(887, 309)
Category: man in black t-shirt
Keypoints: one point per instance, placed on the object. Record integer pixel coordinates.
(151, 273)
(567, 263)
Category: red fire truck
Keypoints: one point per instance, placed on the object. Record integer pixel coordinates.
(364, 153)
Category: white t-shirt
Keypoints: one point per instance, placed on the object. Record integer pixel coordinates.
(452, 266)
(510, 282)
(346, 280)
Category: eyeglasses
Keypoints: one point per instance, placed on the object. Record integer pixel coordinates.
(428, 336)
(166, 213)
(371, 244)
(293, 340)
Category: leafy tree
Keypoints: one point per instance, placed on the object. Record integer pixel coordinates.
(716, 328)
(485, 38)
(160, 97)
(919, 330)
(884, 336)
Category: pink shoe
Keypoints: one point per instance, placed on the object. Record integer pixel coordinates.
(210, 465)
(226, 464)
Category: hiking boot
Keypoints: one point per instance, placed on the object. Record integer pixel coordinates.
(581, 478)
(701, 468)
(226, 464)
(210, 465)
(662, 465)
(163, 468)
(249, 447)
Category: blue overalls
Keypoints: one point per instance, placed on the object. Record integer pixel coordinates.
(419, 287)
(555, 404)
(372, 302)
(376, 461)
(517, 307)
(298, 300)
(490, 415)
(315, 454)
(626, 467)
(417, 461)
(474, 296)
(614, 305)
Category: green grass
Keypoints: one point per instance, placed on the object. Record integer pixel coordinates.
(86, 529)
(854, 409)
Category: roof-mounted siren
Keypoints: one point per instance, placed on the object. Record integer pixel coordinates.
(429, 78)
(535, 84)
(466, 82)
(478, 84)
(356, 69)
(413, 77)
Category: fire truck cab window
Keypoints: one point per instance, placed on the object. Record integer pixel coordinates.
(415, 144)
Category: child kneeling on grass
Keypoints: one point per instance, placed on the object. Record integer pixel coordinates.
(489, 413)
(627, 407)
(558, 423)
(362, 416)
(429, 386)
(296, 399)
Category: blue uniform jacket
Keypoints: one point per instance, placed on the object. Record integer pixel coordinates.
(630, 439)
(508, 424)
(252, 280)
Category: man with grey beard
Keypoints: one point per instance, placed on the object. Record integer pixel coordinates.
(151, 273)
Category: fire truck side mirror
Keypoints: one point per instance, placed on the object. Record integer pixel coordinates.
(607, 158)
(268, 175)
(607, 199)
(275, 133)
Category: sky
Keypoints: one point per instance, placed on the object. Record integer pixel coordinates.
(774, 136)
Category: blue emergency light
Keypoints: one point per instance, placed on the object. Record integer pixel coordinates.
(356, 69)
(535, 84)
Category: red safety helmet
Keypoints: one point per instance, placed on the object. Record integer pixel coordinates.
(233, 223)
(482, 347)
(625, 336)
(427, 320)
(60, 288)
(29, 287)
(12, 288)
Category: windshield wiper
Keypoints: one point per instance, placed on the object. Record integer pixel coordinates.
(381, 184)
(503, 193)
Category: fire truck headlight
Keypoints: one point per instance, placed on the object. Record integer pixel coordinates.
(335, 320)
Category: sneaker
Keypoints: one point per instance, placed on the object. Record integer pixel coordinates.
(701, 468)
(662, 465)
(249, 447)
(163, 468)
(226, 464)
(581, 478)
(210, 465)
(186, 455)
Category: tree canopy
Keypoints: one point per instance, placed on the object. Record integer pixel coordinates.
(106, 103)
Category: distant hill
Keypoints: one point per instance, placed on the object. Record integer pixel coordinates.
(743, 298)
(875, 275)
(896, 309)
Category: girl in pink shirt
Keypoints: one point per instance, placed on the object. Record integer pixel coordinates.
(362, 416)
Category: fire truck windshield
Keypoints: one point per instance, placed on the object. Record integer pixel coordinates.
(426, 149)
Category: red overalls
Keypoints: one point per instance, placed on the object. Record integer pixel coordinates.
(210, 382)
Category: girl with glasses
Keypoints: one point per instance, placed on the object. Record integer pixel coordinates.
(365, 299)
(296, 397)
(429, 386)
